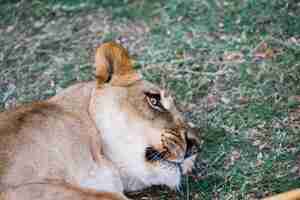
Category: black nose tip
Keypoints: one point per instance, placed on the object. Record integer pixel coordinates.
(191, 148)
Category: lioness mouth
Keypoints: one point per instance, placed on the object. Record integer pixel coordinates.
(154, 155)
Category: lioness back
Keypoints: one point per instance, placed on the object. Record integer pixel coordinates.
(33, 135)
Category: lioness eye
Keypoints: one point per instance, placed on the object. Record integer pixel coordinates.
(153, 100)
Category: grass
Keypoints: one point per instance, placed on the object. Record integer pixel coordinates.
(233, 65)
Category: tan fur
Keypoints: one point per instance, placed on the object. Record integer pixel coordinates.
(91, 140)
(111, 55)
(58, 191)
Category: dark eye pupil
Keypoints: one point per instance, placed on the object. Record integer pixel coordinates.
(153, 101)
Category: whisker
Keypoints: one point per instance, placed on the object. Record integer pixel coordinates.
(152, 154)
(179, 188)
(156, 157)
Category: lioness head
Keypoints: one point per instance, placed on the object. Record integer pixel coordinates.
(142, 130)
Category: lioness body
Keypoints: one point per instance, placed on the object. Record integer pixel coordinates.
(52, 140)
(95, 140)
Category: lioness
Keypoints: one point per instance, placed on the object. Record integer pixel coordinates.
(96, 140)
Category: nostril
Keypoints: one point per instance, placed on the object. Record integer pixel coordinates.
(191, 148)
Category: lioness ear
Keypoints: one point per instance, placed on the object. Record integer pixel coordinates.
(114, 66)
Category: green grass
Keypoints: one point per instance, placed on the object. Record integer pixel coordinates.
(249, 149)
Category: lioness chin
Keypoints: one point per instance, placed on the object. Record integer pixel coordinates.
(96, 140)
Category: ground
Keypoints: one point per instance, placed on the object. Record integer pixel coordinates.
(234, 66)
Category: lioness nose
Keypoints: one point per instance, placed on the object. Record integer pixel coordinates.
(192, 142)
(191, 148)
